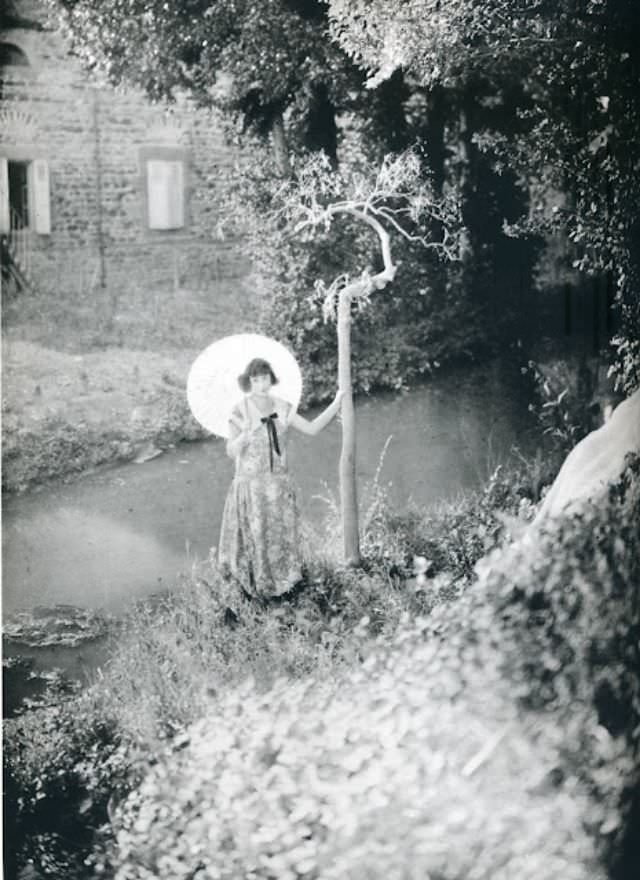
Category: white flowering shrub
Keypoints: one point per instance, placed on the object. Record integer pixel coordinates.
(490, 739)
(486, 732)
(395, 773)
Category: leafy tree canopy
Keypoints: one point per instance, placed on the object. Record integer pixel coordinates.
(571, 69)
(540, 95)
(253, 60)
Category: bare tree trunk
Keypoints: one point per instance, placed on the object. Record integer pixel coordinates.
(280, 147)
(464, 159)
(348, 488)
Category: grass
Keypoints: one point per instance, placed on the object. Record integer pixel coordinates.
(203, 636)
(202, 655)
(92, 376)
(202, 649)
(159, 316)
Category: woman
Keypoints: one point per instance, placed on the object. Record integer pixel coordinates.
(259, 538)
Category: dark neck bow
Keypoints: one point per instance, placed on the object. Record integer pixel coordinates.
(272, 433)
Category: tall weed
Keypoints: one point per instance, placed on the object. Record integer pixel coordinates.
(173, 655)
(491, 738)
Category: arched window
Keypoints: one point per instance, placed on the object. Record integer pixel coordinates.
(12, 56)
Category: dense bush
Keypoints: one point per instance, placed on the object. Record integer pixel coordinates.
(456, 535)
(569, 635)
(421, 321)
(570, 400)
(481, 723)
(572, 614)
(392, 773)
(423, 318)
(63, 763)
(492, 739)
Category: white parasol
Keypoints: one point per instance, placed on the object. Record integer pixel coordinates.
(212, 384)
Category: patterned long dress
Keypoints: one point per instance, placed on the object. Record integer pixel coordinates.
(259, 544)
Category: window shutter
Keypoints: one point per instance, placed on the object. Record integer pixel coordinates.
(5, 220)
(41, 201)
(165, 194)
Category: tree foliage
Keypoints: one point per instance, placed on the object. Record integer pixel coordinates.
(529, 108)
(571, 72)
(397, 199)
(252, 60)
(302, 256)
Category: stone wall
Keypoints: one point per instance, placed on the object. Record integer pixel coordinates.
(96, 143)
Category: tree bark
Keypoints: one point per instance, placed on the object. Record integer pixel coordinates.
(280, 147)
(365, 284)
(464, 160)
(348, 485)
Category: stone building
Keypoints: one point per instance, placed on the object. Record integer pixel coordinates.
(97, 186)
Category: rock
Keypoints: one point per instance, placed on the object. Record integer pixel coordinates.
(597, 461)
(146, 452)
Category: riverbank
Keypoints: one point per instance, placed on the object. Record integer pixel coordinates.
(74, 755)
(75, 398)
(92, 377)
(65, 413)
(472, 698)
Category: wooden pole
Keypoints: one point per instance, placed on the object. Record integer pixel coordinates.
(280, 147)
(348, 486)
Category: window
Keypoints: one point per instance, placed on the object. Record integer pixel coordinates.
(165, 193)
(18, 174)
(12, 56)
(24, 195)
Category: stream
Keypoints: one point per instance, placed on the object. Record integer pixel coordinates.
(124, 532)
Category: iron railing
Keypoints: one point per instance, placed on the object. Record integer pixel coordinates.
(16, 249)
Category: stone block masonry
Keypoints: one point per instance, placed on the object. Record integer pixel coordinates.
(109, 189)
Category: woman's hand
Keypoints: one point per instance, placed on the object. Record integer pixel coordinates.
(243, 438)
(238, 441)
(320, 422)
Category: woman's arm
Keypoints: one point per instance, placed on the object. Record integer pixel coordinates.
(320, 421)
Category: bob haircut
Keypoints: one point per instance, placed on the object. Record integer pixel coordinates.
(256, 367)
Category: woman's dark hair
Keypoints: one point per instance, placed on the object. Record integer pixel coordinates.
(256, 367)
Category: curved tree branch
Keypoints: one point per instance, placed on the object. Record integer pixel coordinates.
(382, 278)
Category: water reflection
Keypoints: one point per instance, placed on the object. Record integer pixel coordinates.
(75, 556)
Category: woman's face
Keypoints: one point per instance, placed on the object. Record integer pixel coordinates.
(261, 383)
